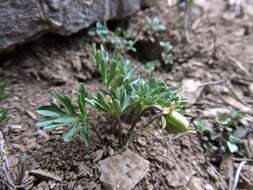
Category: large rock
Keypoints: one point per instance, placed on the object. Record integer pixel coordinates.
(22, 20)
(123, 171)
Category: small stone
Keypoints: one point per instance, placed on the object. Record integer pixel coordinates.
(251, 88)
(99, 155)
(197, 183)
(123, 171)
(44, 175)
(110, 151)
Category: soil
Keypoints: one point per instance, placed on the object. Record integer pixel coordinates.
(219, 51)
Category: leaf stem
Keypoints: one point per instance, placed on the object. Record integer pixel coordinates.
(98, 135)
(151, 120)
(134, 123)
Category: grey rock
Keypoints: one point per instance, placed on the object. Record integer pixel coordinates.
(21, 21)
(123, 171)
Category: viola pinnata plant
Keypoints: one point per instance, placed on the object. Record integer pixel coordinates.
(123, 94)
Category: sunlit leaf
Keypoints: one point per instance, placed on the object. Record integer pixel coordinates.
(233, 148)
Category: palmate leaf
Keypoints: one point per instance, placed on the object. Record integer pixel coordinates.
(69, 134)
(3, 116)
(63, 114)
(155, 24)
(3, 94)
(84, 116)
(116, 73)
(154, 92)
(115, 103)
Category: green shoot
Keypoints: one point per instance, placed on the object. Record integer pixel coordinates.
(121, 40)
(123, 93)
(154, 24)
(63, 114)
(116, 73)
(100, 30)
(166, 54)
(228, 136)
(151, 66)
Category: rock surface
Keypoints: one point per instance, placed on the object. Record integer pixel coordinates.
(123, 171)
(21, 21)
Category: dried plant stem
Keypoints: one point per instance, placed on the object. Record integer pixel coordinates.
(137, 118)
(237, 174)
(98, 135)
(129, 134)
(188, 19)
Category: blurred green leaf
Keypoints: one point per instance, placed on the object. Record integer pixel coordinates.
(69, 134)
(63, 114)
(233, 148)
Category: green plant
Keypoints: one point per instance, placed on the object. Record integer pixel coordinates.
(131, 93)
(152, 65)
(166, 54)
(154, 24)
(152, 34)
(121, 40)
(227, 136)
(100, 30)
(3, 95)
(63, 114)
(123, 93)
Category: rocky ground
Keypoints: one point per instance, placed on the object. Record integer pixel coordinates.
(214, 69)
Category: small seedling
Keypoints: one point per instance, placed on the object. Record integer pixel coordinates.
(228, 135)
(63, 114)
(101, 31)
(123, 93)
(121, 40)
(166, 54)
(151, 66)
(154, 24)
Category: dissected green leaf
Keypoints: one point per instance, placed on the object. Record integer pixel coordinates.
(58, 122)
(155, 24)
(3, 94)
(85, 133)
(233, 148)
(3, 116)
(51, 110)
(69, 134)
(65, 101)
(223, 118)
(240, 132)
(63, 114)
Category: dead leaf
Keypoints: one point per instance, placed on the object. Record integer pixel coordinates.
(99, 155)
(31, 114)
(44, 175)
(191, 89)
